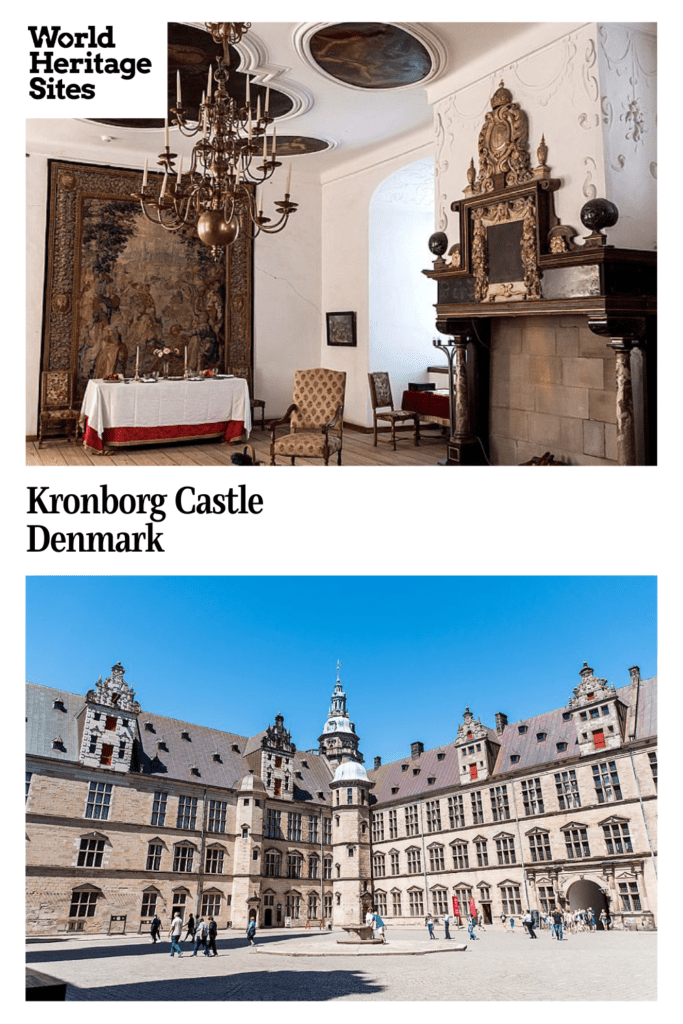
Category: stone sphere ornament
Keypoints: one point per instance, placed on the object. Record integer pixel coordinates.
(438, 243)
(599, 213)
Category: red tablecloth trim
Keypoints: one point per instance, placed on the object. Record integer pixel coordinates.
(427, 403)
(113, 436)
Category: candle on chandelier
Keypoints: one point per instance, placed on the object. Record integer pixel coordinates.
(208, 88)
(180, 169)
(288, 190)
(265, 145)
(163, 185)
(248, 91)
(179, 99)
(166, 132)
(258, 108)
(267, 100)
(144, 174)
(186, 357)
(274, 141)
(137, 359)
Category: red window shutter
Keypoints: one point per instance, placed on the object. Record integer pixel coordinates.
(599, 739)
(107, 751)
(473, 771)
(111, 723)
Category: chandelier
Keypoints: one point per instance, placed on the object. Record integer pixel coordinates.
(234, 155)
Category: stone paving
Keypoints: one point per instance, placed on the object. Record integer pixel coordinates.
(499, 966)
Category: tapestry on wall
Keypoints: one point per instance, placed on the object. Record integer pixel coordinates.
(119, 287)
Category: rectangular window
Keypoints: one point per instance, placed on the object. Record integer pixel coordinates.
(28, 783)
(313, 865)
(505, 848)
(293, 827)
(149, 904)
(159, 809)
(567, 790)
(653, 765)
(473, 772)
(606, 781)
(312, 828)
(618, 838)
(154, 857)
(182, 858)
(414, 862)
(294, 862)
(110, 724)
(460, 855)
(456, 812)
(393, 824)
(510, 899)
(500, 807)
(532, 796)
(214, 861)
(378, 865)
(218, 810)
(546, 897)
(377, 828)
(629, 895)
(539, 845)
(327, 831)
(576, 840)
(211, 905)
(327, 868)
(107, 754)
(416, 897)
(381, 903)
(312, 906)
(83, 904)
(327, 904)
(477, 810)
(482, 853)
(293, 906)
(273, 824)
(272, 862)
(395, 862)
(436, 858)
(90, 853)
(463, 897)
(412, 822)
(99, 799)
(187, 812)
(433, 816)
(396, 904)
(439, 902)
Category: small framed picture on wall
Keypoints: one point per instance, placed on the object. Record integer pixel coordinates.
(341, 329)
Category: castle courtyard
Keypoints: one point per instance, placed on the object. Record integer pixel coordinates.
(298, 965)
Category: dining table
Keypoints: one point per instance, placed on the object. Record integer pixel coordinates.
(117, 413)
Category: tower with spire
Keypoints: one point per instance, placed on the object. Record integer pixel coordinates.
(338, 740)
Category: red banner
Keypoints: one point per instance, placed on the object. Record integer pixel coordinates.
(473, 908)
(456, 907)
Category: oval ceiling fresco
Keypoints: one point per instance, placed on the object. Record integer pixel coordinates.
(370, 55)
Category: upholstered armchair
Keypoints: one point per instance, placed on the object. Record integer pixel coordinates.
(383, 408)
(315, 418)
(56, 402)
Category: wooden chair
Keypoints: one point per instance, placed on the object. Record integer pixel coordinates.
(315, 419)
(255, 403)
(56, 402)
(383, 408)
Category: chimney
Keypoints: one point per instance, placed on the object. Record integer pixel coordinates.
(378, 762)
(416, 749)
(634, 672)
(501, 722)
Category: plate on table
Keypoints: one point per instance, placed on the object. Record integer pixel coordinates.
(225, 376)
(148, 380)
(174, 378)
(195, 378)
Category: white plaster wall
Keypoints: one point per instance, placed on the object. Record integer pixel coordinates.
(36, 214)
(287, 307)
(628, 76)
(346, 203)
(557, 85)
(401, 300)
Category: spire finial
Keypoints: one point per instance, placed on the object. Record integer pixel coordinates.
(339, 664)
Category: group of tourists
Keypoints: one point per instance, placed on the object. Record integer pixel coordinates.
(557, 922)
(473, 921)
(202, 934)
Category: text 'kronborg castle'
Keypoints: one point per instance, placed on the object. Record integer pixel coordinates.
(130, 813)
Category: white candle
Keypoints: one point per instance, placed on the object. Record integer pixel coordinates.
(163, 185)
(267, 100)
(258, 109)
(288, 190)
(208, 90)
(180, 169)
(166, 132)
(186, 357)
(248, 91)
(137, 358)
(265, 143)
(179, 99)
(144, 174)
(274, 140)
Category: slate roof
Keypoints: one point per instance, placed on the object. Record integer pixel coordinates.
(44, 723)
(531, 752)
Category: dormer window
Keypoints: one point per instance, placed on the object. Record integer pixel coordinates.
(521, 729)
(431, 780)
(561, 746)
(149, 726)
(58, 705)
(440, 756)
(394, 790)
(566, 716)
(304, 764)
(235, 748)
(404, 767)
(416, 771)
(58, 743)
(184, 735)
(321, 796)
(514, 758)
(194, 770)
(590, 696)
(216, 757)
(540, 736)
(162, 745)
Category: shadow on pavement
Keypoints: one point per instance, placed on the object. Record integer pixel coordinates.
(142, 949)
(253, 987)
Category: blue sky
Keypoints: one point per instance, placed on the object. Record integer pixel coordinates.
(232, 652)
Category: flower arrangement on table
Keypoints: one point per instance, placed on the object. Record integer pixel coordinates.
(209, 373)
(163, 354)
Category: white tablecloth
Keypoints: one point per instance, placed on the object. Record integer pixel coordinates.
(165, 403)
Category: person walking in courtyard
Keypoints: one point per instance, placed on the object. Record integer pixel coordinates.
(447, 926)
(251, 932)
(528, 923)
(604, 920)
(189, 934)
(557, 924)
(512, 926)
(175, 932)
(471, 924)
(378, 925)
(154, 929)
(503, 921)
(429, 921)
(200, 937)
(211, 938)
